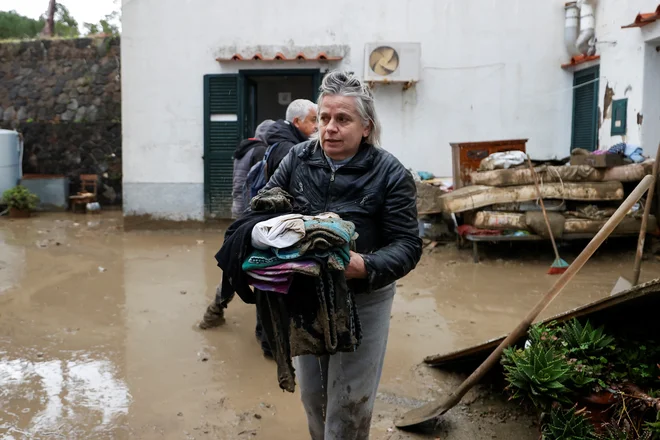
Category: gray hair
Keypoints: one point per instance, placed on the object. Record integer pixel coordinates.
(299, 108)
(346, 84)
(262, 129)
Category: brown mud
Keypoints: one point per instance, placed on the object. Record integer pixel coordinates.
(98, 337)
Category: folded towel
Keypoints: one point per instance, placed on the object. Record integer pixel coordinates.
(278, 232)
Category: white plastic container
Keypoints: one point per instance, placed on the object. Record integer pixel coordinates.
(11, 152)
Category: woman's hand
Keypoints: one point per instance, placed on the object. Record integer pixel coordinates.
(356, 267)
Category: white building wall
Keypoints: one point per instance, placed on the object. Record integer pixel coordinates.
(490, 70)
(628, 69)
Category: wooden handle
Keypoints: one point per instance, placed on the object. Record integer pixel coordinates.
(545, 214)
(645, 220)
(573, 269)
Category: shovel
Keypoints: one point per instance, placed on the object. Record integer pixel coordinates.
(622, 283)
(432, 410)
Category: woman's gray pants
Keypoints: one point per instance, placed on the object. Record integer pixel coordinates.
(339, 391)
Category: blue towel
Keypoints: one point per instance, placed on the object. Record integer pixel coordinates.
(631, 151)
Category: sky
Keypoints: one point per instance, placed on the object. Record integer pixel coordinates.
(84, 11)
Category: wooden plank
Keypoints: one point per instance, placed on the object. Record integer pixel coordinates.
(628, 226)
(478, 196)
(553, 174)
(644, 297)
(516, 221)
(500, 220)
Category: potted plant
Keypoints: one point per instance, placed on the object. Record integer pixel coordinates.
(21, 201)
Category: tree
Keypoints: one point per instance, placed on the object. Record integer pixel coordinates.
(92, 28)
(65, 24)
(108, 25)
(49, 28)
(13, 25)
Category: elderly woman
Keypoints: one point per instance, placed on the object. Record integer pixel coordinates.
(345, 172)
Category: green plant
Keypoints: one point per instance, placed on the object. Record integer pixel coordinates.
(654, 427)
(614, 432)
(546, 335)
(568, 424)
(537, 373)
(585, 341)
(636, 361)
(20, 198)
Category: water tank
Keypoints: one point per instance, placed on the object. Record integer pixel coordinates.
(10, 160)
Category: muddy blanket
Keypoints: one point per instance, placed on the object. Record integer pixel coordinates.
(318, 316)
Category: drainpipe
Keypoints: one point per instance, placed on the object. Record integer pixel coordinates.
(572, 28)
(586, 42)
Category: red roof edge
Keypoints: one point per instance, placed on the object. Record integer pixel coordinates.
(580, 59)
(321, 56)
(644, 19)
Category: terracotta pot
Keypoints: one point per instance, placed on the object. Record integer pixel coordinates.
(19, 213)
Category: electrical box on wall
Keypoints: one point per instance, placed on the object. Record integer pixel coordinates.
(619, 116)
(392, 62)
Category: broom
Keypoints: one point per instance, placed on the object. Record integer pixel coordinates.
(558, 266)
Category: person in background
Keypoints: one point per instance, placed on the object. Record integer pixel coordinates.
(247, 154)
(344, 171)
(299, 126)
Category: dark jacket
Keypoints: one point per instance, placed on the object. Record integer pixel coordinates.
(286, 135)
(374, 191)
(247, 154)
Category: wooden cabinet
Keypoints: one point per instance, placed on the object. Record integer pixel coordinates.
(467, 156)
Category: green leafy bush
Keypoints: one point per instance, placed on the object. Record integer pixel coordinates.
(568, 424)
(565, 367)
(585, 341)
(538, 374)
(20, 198)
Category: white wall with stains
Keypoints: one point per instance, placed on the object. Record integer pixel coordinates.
(651, 97)
(490, 70)
(629, 68)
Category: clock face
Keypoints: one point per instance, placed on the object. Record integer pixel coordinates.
(384, 60)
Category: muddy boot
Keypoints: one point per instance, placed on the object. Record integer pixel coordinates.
(214, 317)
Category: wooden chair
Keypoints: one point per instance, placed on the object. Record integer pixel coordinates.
(87, 181)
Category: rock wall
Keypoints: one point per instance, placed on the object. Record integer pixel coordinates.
(64, 96)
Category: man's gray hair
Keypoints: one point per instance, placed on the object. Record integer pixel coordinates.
(299, 108)
(262, 129)
(346, 84)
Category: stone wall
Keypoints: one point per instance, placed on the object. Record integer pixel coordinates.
(64, 96)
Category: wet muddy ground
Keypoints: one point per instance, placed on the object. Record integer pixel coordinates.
(98, 337)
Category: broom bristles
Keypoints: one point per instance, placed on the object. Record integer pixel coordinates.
(558, 267)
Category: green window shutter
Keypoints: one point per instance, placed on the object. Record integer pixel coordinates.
(585, 109)
(619, 117)
(222, 128)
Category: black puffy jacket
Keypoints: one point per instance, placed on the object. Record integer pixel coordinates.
(286, 136)
(374, 191)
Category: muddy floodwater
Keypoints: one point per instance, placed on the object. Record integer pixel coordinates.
(98, 336)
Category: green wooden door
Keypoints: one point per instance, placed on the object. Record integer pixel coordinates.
(222, 129)
(585, 109)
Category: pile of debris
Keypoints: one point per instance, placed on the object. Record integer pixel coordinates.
(580, 197)
(433, 224)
